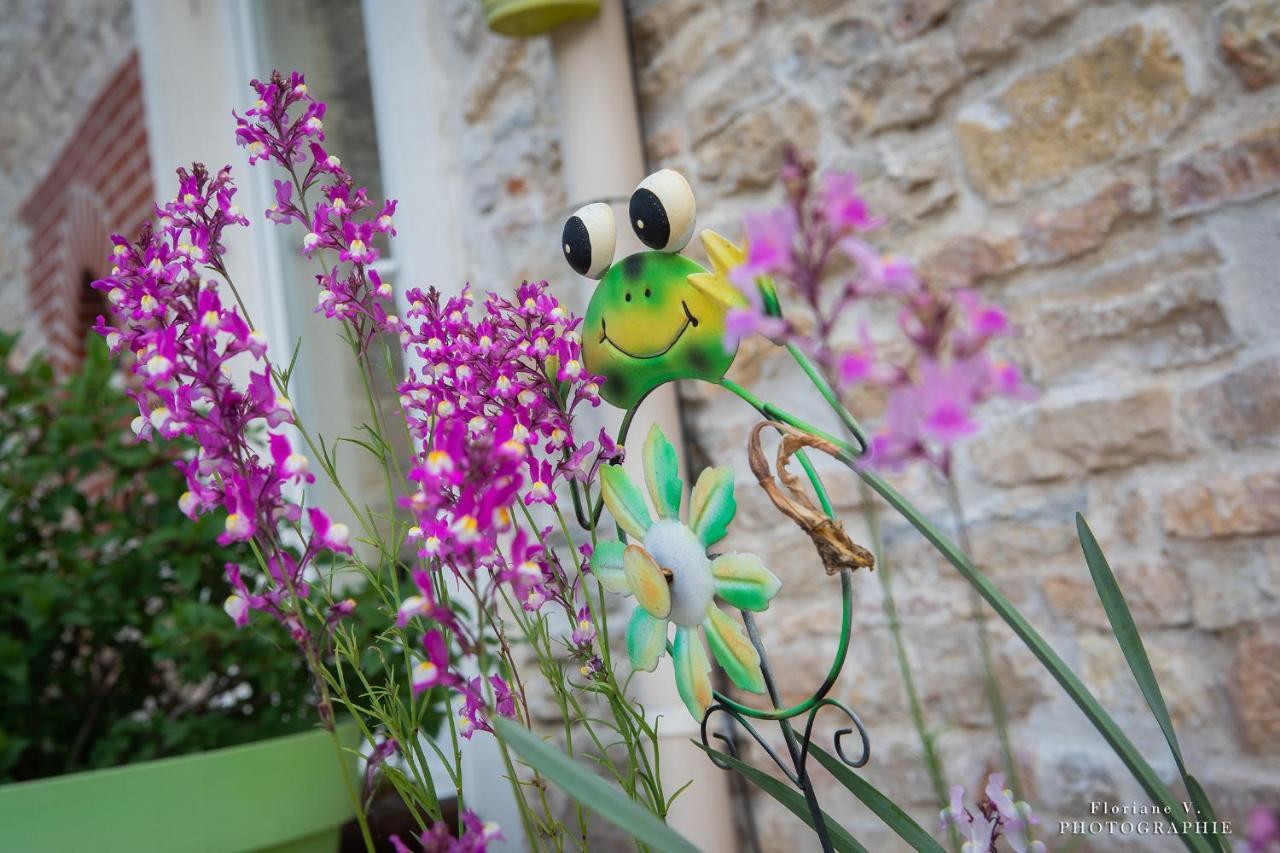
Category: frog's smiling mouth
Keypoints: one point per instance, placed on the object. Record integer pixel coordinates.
(689, 320)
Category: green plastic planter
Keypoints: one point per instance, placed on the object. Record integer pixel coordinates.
(533, 17)
(284, 795)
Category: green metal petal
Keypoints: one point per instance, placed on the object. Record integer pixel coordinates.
(733, 650)
(646, 581)
(743, 581)
(693, 671)
(606, 564)
(646, 640)
(712, 506)
(662, 473)
(624, 500)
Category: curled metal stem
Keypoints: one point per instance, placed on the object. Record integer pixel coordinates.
(838, 738)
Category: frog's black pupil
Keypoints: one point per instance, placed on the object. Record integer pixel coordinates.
(577, 245)
(627, 296)
(649, 219)
(647, 293)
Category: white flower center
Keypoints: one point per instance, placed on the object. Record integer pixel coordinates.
(674, 546)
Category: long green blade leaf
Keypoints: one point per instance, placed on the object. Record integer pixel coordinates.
(883, 807)
(1122, 625)
(590, 790)
(1066, 678)
(1200, 800)
(1135, 653)
(841, 840)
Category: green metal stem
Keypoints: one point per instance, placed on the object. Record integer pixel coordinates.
(846, 585)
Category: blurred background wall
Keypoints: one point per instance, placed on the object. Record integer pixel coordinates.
(1105, 170)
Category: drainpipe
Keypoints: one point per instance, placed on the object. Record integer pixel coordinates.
(603, 158)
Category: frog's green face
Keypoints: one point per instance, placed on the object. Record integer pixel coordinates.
(655, 316)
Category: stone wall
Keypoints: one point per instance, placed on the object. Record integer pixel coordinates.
(1106, 171)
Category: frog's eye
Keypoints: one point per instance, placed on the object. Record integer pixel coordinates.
(662, 211)
(588, 239)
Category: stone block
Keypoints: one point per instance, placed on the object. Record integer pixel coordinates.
(1249, 39)
(1055, 235)
(1256, 688)
(920, 74)
(1224, 505)
(1071, 439)
(1153, 313)
(1113, 97)
(1220, 173)
(1240, 407)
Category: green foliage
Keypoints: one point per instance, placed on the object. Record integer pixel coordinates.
(113, 644)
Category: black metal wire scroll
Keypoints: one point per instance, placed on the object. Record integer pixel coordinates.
(796, 769)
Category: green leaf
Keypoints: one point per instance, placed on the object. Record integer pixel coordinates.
(1063, 674)
(794, 801)
(1122, 625)
(1200, 800)
(883, 807)
(590, 790)
(1135, 653)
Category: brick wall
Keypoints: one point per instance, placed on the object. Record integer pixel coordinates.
(99, 184)
(72, 162)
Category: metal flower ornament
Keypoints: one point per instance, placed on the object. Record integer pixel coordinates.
(657, 316)
(675, 581)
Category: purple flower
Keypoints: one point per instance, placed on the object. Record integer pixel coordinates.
(770, 239)
(584, 630)
(328, 534)
(286, 127)
(475, 837)
(879, 274)
(168, 312)
(842, 205)
(434, 670)
(1262, 831)
(380, 754)
(997, 816)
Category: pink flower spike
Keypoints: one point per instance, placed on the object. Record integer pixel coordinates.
(842, 205)
(770, 241)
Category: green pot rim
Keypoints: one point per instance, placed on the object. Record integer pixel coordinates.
(250, 797)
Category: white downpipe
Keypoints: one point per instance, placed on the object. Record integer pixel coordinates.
(602, 157)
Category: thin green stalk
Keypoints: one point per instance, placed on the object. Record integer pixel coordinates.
(995, 697)
(526, 817)
(928, 745)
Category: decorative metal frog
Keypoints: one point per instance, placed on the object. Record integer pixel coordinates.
(655, 316)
